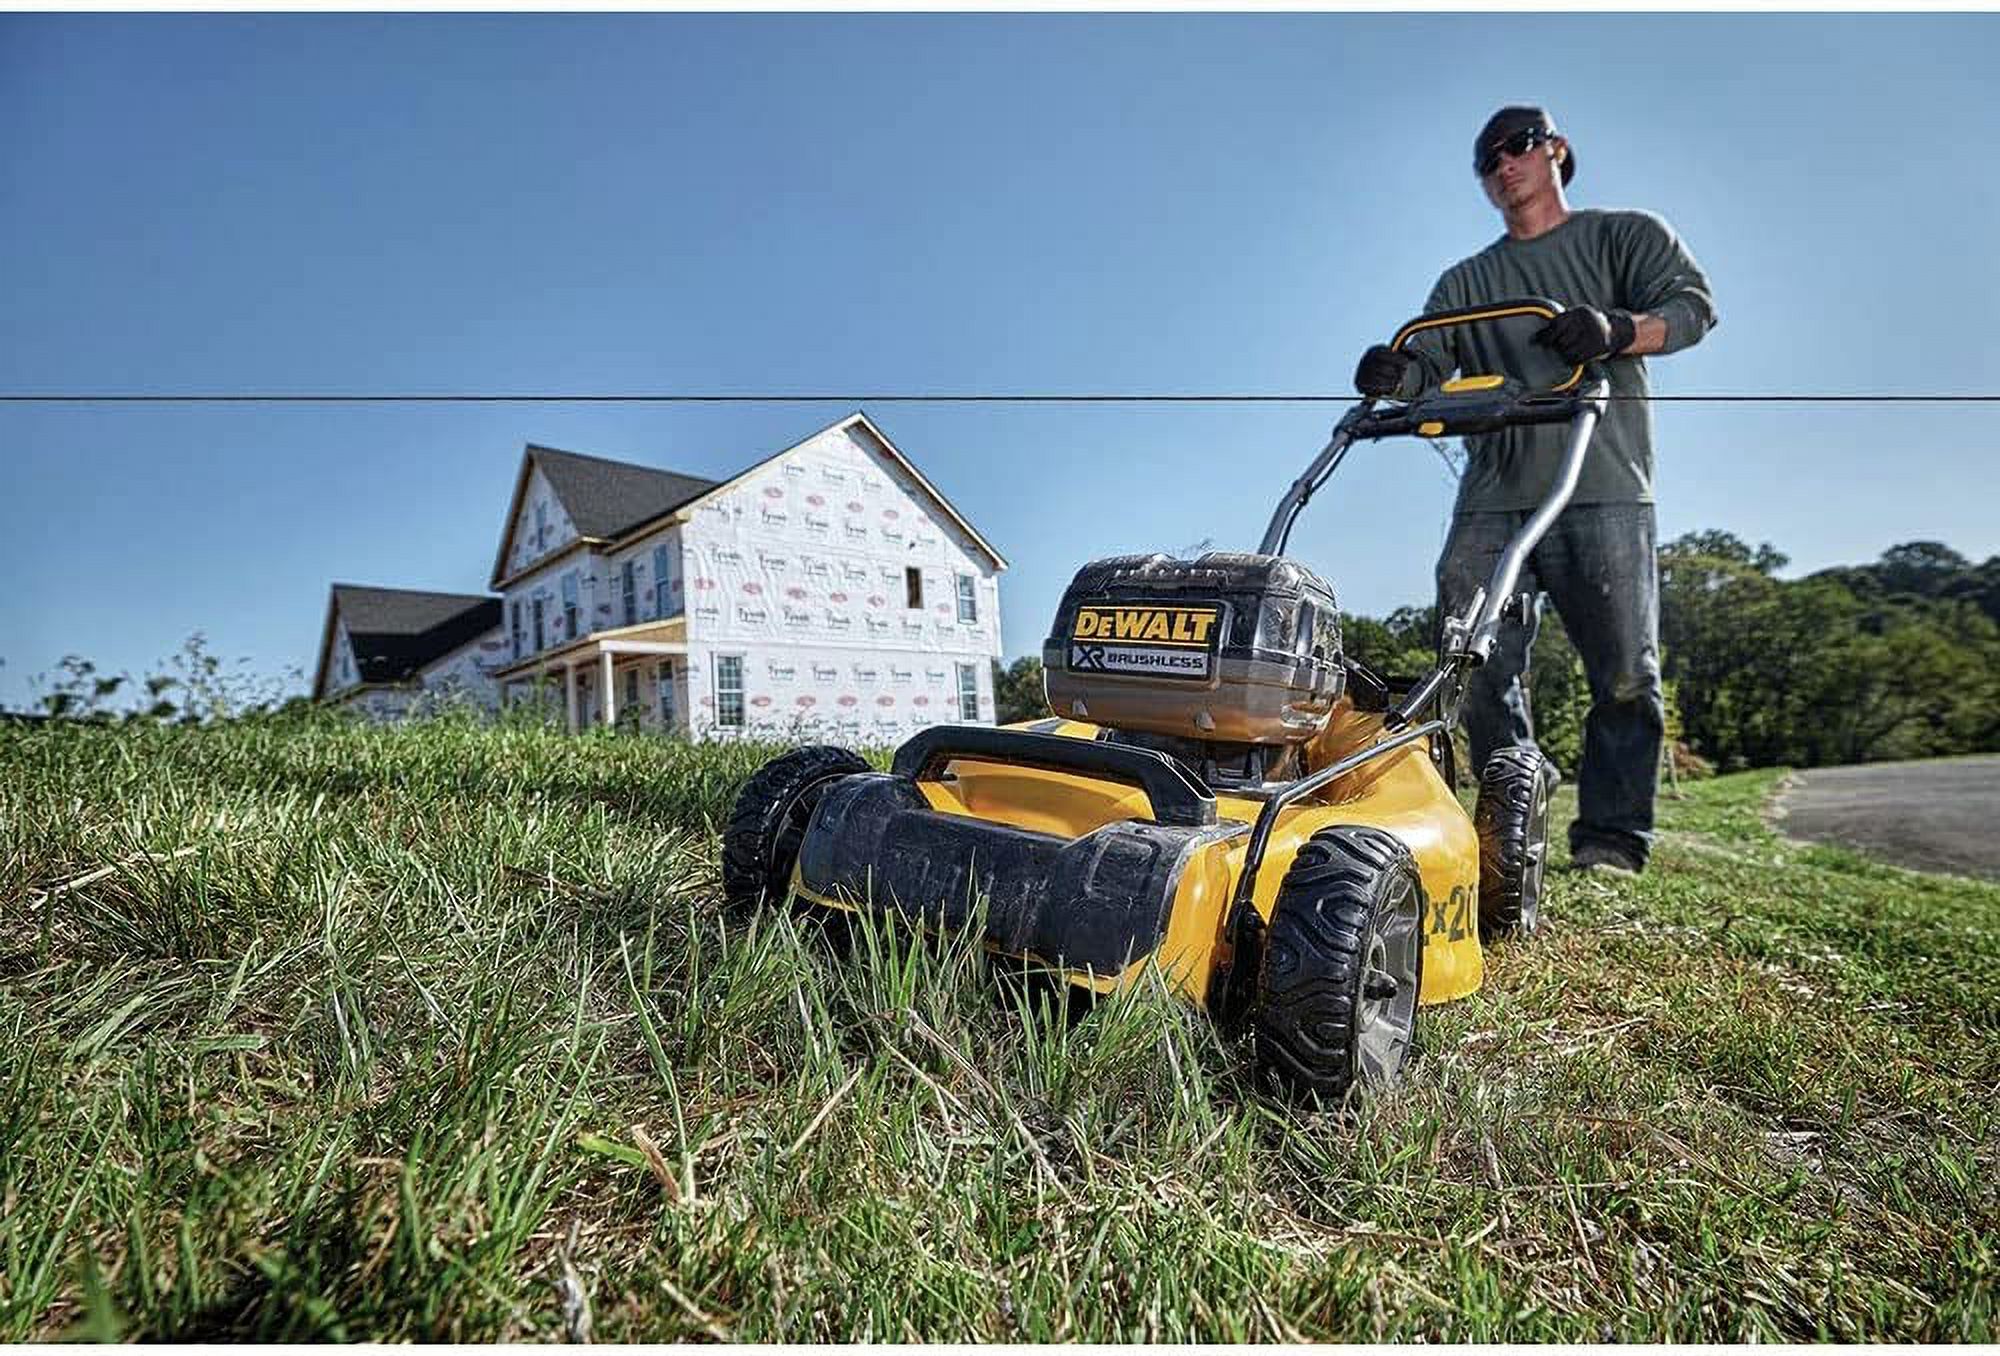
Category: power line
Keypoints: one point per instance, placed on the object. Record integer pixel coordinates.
(897, 398)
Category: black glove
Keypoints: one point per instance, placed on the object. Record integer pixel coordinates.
(1586, 334)
(1380, 373)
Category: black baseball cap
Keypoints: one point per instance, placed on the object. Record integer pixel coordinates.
(1519, 118)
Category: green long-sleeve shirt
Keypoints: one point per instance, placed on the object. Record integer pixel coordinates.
(1630, 261)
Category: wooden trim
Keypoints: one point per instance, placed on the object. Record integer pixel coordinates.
(576, 544)
(589, 647)
(514, 506)
(686, 510)
(325, 647)
(513, 514)
(335, 698)
(999, 561)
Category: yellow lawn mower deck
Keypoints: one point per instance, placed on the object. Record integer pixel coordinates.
(1223, 795)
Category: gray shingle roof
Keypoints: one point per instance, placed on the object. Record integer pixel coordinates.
(395, 632)
(609, 500)
(606, 498)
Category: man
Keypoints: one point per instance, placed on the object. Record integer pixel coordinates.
(1629, 289)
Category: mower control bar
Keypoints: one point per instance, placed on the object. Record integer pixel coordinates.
(1455, 415)
(1446, 415)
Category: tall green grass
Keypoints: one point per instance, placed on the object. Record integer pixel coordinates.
(321, 1032)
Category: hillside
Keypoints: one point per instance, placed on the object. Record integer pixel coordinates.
(436, 1032)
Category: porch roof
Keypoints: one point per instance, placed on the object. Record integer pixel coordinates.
(645, 638)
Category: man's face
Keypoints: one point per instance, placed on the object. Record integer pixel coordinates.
(1520, 179)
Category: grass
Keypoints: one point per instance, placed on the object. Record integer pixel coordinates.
(313, 1032)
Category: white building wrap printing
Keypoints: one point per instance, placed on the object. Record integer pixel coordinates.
(829, 593)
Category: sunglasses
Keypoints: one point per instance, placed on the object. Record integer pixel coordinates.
(1520, 143)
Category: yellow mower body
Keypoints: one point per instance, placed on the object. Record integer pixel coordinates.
(1401, 792)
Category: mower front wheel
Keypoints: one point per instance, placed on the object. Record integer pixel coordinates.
(1336, 1000)
(761, 844)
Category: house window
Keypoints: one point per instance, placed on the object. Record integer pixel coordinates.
(666, 582)
(968, 692)
(541, 630)
(628, 712)
(628, 586)
(666, 685)
(569, 605)
(913, 587)
(346, 667)
(520, 632)
(968, 599)
(541, 527)
(729, 691)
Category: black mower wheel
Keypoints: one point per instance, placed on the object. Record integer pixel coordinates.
(1513, 822)
(1336, 1000)
(761, 844)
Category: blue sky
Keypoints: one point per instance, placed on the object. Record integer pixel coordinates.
(906, 203)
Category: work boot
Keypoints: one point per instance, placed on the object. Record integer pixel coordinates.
(1601, 859)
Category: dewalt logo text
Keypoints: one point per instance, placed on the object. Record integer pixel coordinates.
(1193, 627)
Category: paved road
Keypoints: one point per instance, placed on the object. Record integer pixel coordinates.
(1938, 815)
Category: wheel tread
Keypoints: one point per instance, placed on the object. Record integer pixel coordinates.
(1510, 786)
(756, 858)
(1315, 952)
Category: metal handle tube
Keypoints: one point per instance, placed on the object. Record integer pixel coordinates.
(1417, 698)
(1280, 530)
(1507, 572)
(1260, 832)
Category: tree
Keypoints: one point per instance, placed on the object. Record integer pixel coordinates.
(1895, 659)
(1558, 694)
(1924, 568)
(1018, 693)
(1980, 586)
(1714, 544)
(1403, 645)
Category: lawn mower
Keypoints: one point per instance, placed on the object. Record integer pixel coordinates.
(1221, 793)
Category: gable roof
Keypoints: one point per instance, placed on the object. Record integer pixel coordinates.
(606, 498)
(860, 420)
(603, 498)
(621, 499)
(395, 632)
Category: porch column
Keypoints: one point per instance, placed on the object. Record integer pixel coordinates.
(569, 694)
(608, 709)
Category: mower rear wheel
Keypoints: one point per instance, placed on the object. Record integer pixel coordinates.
(1336, 1001)
(1513, 822)
(761, 844)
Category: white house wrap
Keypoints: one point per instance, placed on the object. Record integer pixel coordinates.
(828, 590)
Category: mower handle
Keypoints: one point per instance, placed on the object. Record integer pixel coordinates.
(1454, 414)
(1468, 640)
(1481, 628)
(1446, 414)
(1475, 404)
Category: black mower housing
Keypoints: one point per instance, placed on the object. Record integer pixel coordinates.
(1097, 902)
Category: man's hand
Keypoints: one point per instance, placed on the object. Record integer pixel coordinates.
(1585, 334)
(1380, 373)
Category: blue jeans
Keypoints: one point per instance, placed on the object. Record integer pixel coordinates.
(1597, 565)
